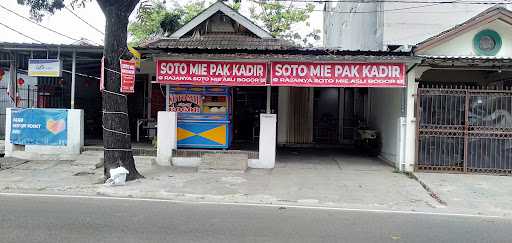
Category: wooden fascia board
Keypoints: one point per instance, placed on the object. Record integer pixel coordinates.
(219, 6)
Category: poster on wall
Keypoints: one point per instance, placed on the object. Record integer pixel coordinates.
(39, 126)
(44, 68)
(127, 76)
(102, 74)
(211, 73)
(318, 74)
(187, 103)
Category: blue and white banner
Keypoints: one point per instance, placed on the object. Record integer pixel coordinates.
(39, 126)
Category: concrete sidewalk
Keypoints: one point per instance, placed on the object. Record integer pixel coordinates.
(300, 178)
(485, 194)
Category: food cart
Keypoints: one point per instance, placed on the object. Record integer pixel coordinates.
(204, 116)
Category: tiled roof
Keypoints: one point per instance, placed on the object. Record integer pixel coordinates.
(483, 58)
(224, 42)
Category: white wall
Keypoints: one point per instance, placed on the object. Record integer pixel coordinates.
(384, 116)
(463, 45)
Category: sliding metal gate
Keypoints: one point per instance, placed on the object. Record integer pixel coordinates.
(466, 130)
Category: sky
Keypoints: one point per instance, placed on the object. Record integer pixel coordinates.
(411, 25)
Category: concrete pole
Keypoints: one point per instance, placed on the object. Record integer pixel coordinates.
(73, 80)
(269, 96)
(167, 91)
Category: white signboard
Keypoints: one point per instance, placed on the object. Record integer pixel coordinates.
(44, 67)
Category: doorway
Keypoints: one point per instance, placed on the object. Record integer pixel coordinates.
(326, 115)
(337, 113)
(248, 104)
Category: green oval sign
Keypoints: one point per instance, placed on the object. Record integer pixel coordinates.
(487, 42)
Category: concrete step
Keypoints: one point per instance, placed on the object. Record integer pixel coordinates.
(135, 151)
(231, 162)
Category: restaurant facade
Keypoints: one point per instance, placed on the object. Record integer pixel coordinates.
(234, 87)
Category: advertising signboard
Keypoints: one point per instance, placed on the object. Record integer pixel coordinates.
(211, 73)
(127, 76)
(44, 67)
(320, 74)
(34, 126)
(188, 103)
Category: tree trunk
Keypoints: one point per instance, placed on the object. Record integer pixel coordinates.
(116, 129)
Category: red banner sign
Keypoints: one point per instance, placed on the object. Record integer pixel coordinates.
(211, 73)
(337, 74)
(127, 76)
(185, 103)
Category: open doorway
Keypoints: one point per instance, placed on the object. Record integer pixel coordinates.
(248, 104)
(326, 115)
(337, 113)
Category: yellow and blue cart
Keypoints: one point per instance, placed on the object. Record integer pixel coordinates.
(204, 116)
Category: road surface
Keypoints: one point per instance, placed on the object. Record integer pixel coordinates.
(62, 219)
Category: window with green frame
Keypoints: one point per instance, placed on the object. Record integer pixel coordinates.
(487, 43)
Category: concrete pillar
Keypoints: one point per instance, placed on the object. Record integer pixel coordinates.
(410, 124)
(267, 146)
(166, 137)
(283, 106)
(9, 147)
(73, 80)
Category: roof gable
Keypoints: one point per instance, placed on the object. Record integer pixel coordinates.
(228, 11)
(492, 16)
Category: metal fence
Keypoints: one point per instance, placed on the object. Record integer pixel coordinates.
(29, 96)
(464, 129)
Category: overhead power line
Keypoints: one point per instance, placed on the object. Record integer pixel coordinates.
(364, 12)
(378, 11)
(401, 1)
(27, 36)
(83, 20)
(38, 24)
(44, 27)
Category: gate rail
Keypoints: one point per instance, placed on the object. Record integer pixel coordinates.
(465, 130)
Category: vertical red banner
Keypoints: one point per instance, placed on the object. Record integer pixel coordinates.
(127, 76)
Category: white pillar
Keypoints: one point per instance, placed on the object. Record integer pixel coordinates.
(410, 124)
(166, 137)
(8, 147)
(267, 146)
(73, 80)
(269, 95)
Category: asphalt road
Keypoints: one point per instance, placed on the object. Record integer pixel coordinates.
(50, 219)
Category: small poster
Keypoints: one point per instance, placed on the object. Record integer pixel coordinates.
(102, 77)
(44, 68)
(34, 126)
(127, 76)
(186, 103)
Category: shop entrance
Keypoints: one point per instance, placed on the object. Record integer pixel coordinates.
(248, 104)
(337, 113)
(326, 115)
